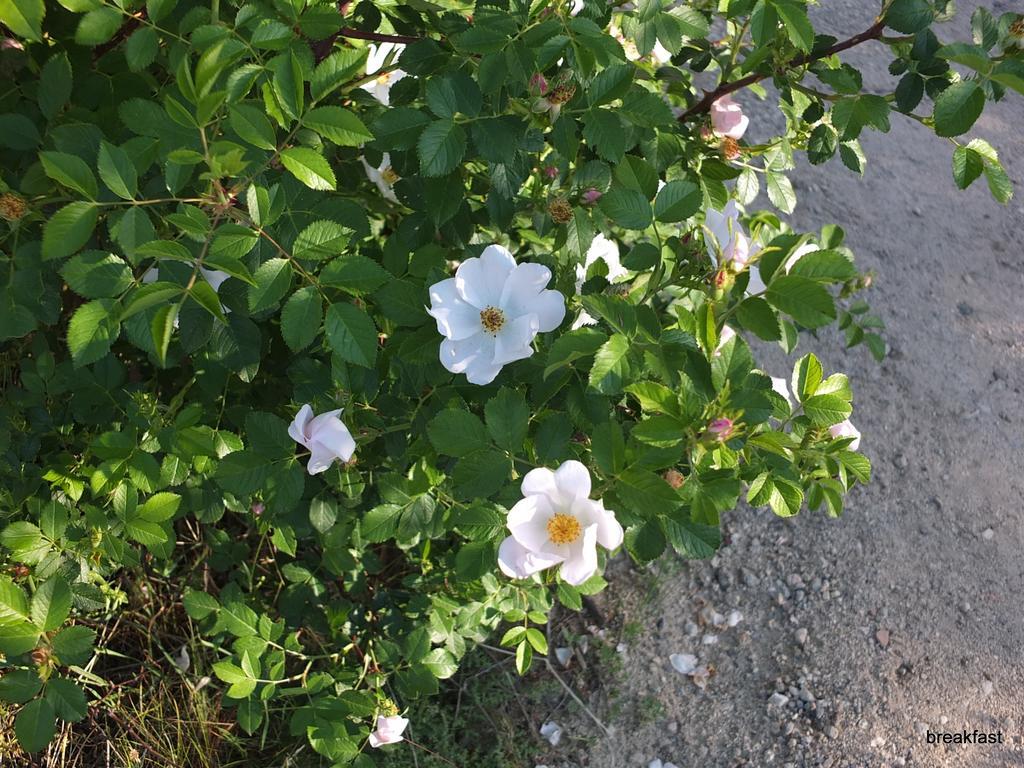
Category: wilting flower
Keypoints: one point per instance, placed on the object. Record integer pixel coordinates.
(383, 176)
(728, 245)
(1015, 34)
(389, 730)
(552, 101)
(12, 206)
(560, 210)
(491, 311)
(381, 86)
(727, 118)
(720, 429)
(606, 250)
(846, 429)
(326, 437)
(557, 523)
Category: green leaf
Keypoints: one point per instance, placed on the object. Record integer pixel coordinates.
(252, 126)
(335, 70)
(441, 147)
(97, 275)
(626, 207)
(605, 133)
(480, 474)
(93, 328)
(780, 191)
(457, 433)
(301, 318)
(804, 300)
(55, 83)
(20, 685)
(67, 698)
(160, 507)
(968, 165)
(74, 645)
(288, 85)
(352, 334)
(17, 131)
(692, 540)
(909, 16)
(611, 366)
(958, 107)
(645, 542)
(441, 663)
(98, 26)
(161, 330)
(309, 167)
(70, 171)
(323, 513)
(35, 725)
(677, 201)
(273, 279)
(822, 144)
(141, 48)
(798, 26)
(399, 128)
(68, 230)
(321, 240)
(508, 419)
(355, 274)
(381, 523)
(51, 604)
(1010, 73)
(199, 605)
(807, 375)
(23, 17)
(572, 346)
(851, 115)
(826, 410)
(13, 603)
(338, 125)
(117, 171)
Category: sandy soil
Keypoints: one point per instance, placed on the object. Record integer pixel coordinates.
(905, 615)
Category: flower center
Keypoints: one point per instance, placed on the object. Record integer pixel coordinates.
(1017, 28)
(389, 175)
(493, 319)
(563, 529)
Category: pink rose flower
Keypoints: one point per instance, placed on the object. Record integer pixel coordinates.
(727, 118)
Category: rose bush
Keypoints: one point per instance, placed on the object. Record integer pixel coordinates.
(491, 263)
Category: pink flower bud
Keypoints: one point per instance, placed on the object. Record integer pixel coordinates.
(591, 196)
(550, 171)
(258, 508)
(539, 84)
(720, 429)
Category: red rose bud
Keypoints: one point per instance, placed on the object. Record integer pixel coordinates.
(539, 84)
(550, 171)
(591, 196)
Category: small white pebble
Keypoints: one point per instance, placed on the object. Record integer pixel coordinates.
(988, 534)
(551, 731)
(986, 687)
(735, 617)
(683, 663)
(710, 639)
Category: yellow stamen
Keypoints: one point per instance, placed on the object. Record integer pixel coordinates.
(389, 175)
(493, 319)
(564, 529)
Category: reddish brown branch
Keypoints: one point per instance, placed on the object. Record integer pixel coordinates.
(871, 33)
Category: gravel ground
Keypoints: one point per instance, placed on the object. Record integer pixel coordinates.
(862, 634)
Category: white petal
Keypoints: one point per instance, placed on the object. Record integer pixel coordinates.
(582, 563)
(573, 480)
(541, 481)
(455, 318)
(549, 308)
(527, 521)
(609, 531)
(755, 284)
(320, 458)
(512, 342)
(522, 287)
(480, 280)
(297, 429)
(846, 429)
(334, 437)
(517, 562)
(458, 354)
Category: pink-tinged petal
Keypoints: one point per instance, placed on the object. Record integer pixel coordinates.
(517, 562)
(523, 285)
(846, 429)
(549, 308)
(297, 429)
(540, 481)
(320, 458)
(609, 531)
(573, 480)
(455, 318)
(528, 521)
(727, 118)
(582, 564)
(512, 342)
(389, 730)
(480, 280)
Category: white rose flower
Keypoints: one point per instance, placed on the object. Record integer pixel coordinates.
(491, 311)
(389, 730)
(557, 523)
(608, 251)
(383, 176)
(846, 429)
(381, 87)
(728, 244)
(326, 437)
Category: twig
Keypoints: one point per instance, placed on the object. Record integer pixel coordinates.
(871, 33)
(377, 37)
